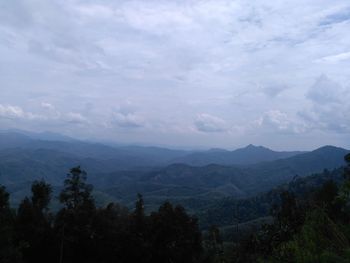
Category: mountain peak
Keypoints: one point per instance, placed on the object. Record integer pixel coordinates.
(329, 148)
(254, 147)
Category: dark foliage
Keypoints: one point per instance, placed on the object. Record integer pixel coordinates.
(80, 232)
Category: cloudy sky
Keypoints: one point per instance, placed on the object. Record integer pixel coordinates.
(220, 73)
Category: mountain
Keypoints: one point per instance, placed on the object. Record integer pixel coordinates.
(282, 170)
(122, 172)
(180, 181)
(219, 212)
(248, 155)
(46, 135)
(124, 157)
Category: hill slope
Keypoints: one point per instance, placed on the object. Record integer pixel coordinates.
(179, 181)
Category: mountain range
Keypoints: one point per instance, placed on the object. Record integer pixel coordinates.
(247, 155)
(120, 172)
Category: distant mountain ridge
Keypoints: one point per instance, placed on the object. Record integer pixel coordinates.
(46, 135)
(124, 156)
(133, 156)
(250, 178)
(248, 155)
(177, 182)
(157, 173)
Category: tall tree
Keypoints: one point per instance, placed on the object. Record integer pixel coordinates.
(74, 222)
(77, 193)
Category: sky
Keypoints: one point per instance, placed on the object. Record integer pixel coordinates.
(204, 73)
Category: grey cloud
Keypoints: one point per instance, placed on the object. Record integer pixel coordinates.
(280, 122)
(339, 17)
(329, 109)
(15, 13)
(324, 90)
(274, 90)
(125, 116)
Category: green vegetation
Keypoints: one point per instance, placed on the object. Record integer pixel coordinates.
(227, 211)
(312, 228)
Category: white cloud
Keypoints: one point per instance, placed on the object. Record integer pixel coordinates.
(336, 58)
(125, 116)
(95, 11)
(11, 112)
(208, 123)
(276, 121)
(49, 117)
(47, 106)
(16, 113)
(129, 120)
(75, 118)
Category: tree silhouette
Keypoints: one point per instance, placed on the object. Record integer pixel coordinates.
(76, 193)
(74, 222)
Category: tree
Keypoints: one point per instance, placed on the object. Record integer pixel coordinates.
(112, 235)
(33, 224)
(139, 208)
(41, 195)
(77, 193)
(74, 223)
(344, 195)
(175, 235)
(213, 245)
(9, 252)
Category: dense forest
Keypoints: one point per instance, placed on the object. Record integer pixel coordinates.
(307, 225)
(313, 227)
(81, 232)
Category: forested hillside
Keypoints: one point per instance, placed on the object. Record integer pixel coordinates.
(311, 228)
(309, 221)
